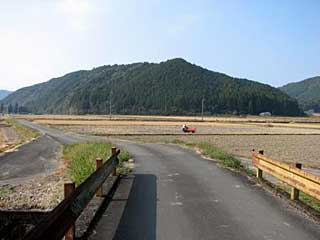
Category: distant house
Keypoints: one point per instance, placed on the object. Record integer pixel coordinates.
(265, 114)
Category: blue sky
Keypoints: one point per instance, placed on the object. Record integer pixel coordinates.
(273, 42)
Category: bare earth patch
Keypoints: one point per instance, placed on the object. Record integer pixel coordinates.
(41, 192)
(8, 137)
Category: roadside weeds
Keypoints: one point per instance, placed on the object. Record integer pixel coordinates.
(309, 205)
(81, 159)
(26, 134)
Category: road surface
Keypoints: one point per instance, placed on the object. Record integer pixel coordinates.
(173, 193)
(39, 157)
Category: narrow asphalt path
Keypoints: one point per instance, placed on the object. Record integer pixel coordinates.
(38, 157)
(173, 193)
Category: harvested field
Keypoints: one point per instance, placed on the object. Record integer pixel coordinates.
(231, 119)
(174, 128)
(281, 143)
(288, 148)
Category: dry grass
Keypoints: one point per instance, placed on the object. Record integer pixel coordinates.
(119, 128)
(229, 119)
(8, 137)
(126, 124)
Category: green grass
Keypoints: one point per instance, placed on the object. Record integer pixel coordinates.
(228, 160)
(225, 159)
(6, 190)
(209, 150)
(303, 197)
(311, 201)
(24, 132)
(82, 158)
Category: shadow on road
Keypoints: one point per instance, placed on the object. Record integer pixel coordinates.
(139, 217)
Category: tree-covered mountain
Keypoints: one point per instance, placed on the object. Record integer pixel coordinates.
(4, 93)
(307, 92)
(174, 87)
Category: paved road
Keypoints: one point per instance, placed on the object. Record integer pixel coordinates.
(173, 193)
(39, 157)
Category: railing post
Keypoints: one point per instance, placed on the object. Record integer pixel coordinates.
(99, 164)
(294, 191)
(259, 171)
(69, 188)
(114, 152)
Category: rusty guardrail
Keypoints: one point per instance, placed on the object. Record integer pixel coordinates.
(60, 221)
(298, 179)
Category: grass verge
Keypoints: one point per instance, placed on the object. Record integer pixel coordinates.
(229, 161)
(24, 132)
(305, 198)
(225, 159)
(81, 159)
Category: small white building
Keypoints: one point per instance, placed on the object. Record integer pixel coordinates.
(265, 114)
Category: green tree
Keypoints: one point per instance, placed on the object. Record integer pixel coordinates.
(16, 108)
(10, 108)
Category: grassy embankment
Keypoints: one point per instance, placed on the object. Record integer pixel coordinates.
(225, 159)
(25, 133)
(228, 160)
(81, 159)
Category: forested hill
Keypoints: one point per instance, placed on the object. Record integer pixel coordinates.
(4, 93)
(307, 92)
(172, 87)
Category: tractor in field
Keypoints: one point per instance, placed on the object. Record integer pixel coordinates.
(187, 129)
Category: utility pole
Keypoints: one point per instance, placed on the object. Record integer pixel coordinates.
(165, 104)
(202, 105)
(110, 105)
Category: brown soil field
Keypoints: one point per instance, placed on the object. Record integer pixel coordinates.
(304, 149)
(281, 143)
(249, 119)
(289, 139)
(174, 128)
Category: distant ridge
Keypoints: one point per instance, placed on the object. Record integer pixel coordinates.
(307, 92)
(173, 87)
(4, 93)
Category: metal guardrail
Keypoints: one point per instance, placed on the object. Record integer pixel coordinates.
(60, 221)
(298, 179)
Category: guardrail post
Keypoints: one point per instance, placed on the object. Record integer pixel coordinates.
(294, 191)
(99, 164)
(69, 188)
(259, 171)
(114, 152)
